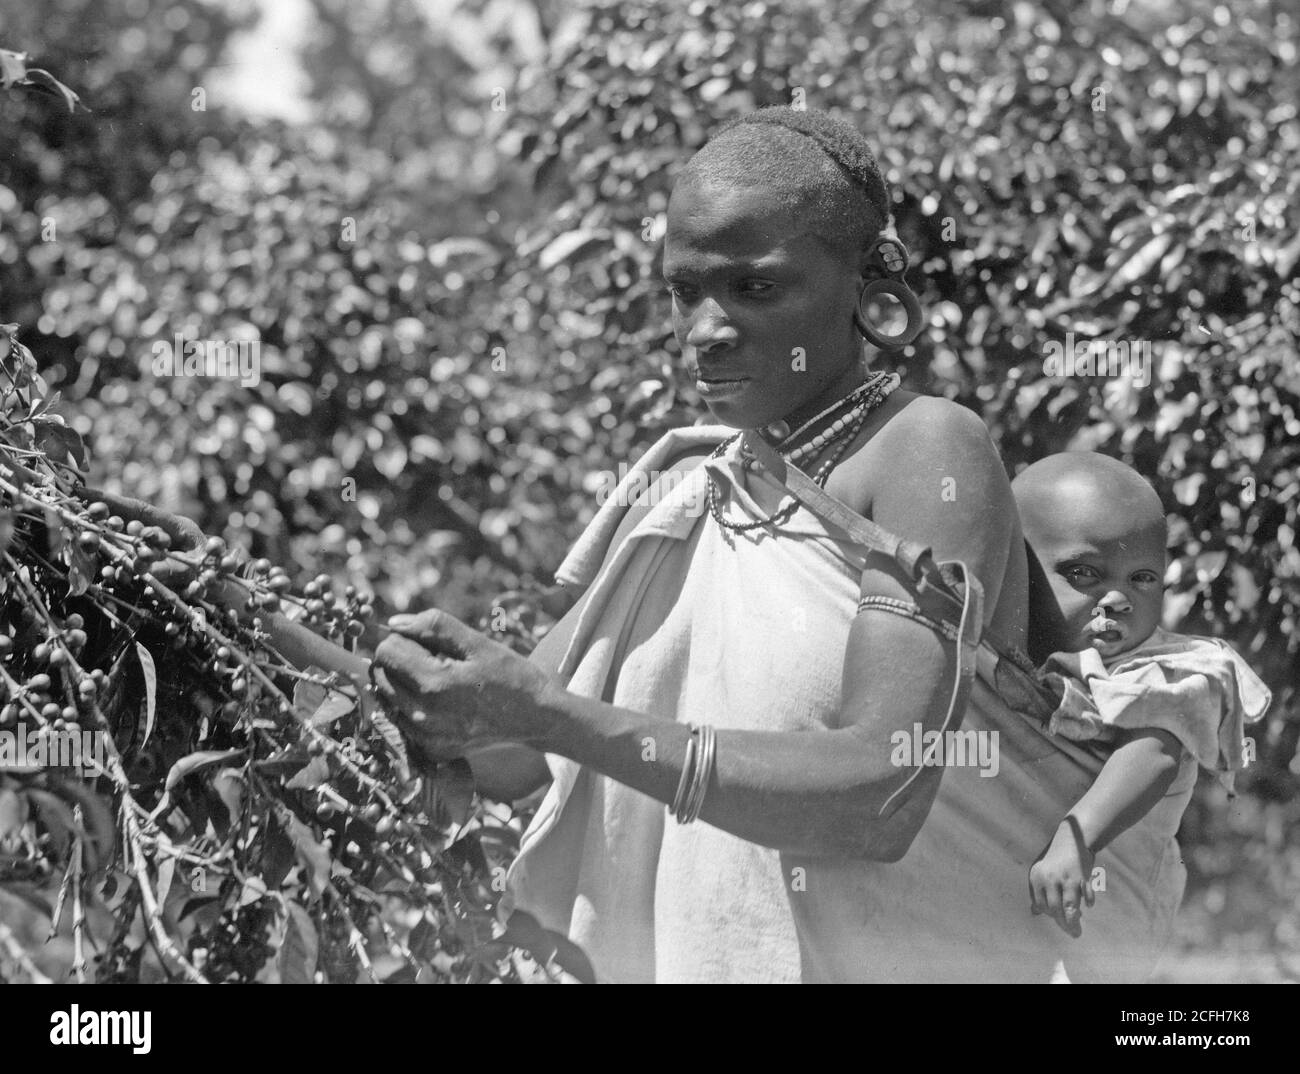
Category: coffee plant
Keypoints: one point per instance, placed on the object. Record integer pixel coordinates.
(243, 818)
(489, 333)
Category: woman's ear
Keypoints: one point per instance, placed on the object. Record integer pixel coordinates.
(869, 266)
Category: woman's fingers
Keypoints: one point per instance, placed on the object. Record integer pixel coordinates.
(436, 741)
(184, 532)
(418, 683)
(184, 558)
(464, 682)
(411, 667)
(438, 632)
(441, 735)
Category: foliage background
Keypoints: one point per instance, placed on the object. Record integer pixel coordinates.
(450, 262)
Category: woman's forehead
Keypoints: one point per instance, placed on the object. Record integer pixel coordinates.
(743, 223)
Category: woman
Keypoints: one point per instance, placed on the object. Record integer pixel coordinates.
(754, 630)
(751, 665)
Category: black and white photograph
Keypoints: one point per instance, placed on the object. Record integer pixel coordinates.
(650, 492)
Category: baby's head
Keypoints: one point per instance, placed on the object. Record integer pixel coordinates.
(1098, 530)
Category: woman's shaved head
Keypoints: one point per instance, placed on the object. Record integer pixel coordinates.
(817, 169)
(770, 230)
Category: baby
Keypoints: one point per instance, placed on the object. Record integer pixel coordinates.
(1157, 699)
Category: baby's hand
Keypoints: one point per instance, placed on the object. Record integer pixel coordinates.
(1059, 880)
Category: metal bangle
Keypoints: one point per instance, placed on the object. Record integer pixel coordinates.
(703, 773)
(707, 766)
(684, 814)
(688, 770)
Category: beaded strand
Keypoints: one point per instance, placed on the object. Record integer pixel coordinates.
(841, 433)
(880, 390)
(862, 393)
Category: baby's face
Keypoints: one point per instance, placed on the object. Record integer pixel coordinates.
(1106, 571)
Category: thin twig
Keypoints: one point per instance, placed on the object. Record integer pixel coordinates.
(58, 903)
(78, 909)
(358, 943)
(153, 915)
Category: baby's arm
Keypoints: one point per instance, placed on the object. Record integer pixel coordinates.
(1135, 777)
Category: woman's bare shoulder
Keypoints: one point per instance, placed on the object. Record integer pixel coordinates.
(929, 418)
(913, 437)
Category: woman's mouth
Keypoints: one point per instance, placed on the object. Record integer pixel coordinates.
(714, 390)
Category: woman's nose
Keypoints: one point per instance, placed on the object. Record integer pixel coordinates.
(1115, 602)
(710, 328)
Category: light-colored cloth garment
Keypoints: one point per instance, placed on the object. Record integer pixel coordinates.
(1197, 689)
(686, 622)
(1137, 884)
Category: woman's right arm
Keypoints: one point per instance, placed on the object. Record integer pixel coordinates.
(814, 794)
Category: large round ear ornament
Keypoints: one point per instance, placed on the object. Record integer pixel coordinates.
(890, 256)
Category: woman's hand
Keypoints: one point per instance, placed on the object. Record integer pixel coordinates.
(459, 689)
(185, 554)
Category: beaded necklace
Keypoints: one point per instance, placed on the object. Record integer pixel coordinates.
(840, 433)
(858, 395)
(865, 397)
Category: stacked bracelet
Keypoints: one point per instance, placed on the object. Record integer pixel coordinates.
(697, 770)
(688, 766)
(703, 773)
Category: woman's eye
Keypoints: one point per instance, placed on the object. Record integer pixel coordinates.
(755, 287)
(679, 291)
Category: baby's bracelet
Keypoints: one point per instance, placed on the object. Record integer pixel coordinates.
(1077, 831)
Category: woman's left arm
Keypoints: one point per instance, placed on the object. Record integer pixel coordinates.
(814, 794)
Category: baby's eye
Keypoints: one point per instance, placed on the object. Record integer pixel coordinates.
(1080, 572)
(1146, 578)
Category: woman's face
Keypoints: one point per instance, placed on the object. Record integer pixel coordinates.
(762, 309)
